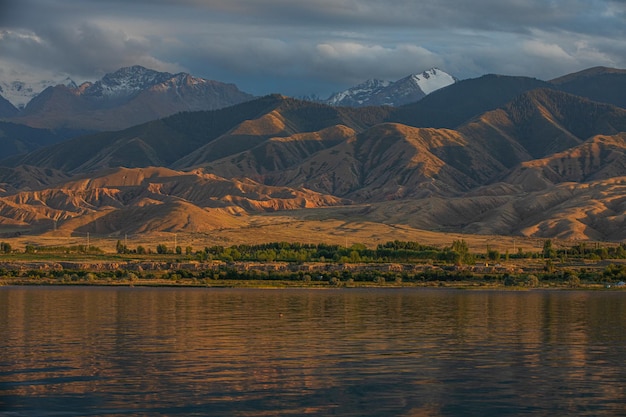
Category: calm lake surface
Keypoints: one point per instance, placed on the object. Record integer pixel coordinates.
(347, 352)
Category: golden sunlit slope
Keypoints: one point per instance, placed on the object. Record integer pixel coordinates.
(600, 157)
(399, 161)
(387, 161)
(266, 161)
(156, 199)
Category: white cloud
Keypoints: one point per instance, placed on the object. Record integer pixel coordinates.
(545, 50)
(356, 62)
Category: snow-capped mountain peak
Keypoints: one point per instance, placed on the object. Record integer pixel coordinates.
(406, 90)
(126, 82)
(432, 80)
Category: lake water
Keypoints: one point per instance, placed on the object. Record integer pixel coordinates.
(344, 352)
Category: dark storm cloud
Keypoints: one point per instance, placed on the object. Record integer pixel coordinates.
(314, 45)
(6, 9)
(511, 15)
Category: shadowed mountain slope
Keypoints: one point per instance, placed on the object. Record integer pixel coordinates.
(157, 143)
(601, 84)
(16, 139)
(456, 104)
(7, 109)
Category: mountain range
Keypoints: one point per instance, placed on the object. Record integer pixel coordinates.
(136, 94)
(122, 99)
(494, 155)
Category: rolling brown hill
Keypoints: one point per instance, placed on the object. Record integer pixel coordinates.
(589, 211)
(154, 199)
(387, 162)
(26, 177)
(600, 157)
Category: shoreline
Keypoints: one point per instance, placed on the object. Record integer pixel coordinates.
(287, 284)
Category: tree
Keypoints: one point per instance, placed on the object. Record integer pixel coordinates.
(573, 280)
(5, 247)
(161, 249)
(532, 281)
(548, 250)
(462, 248)
(602, 253)
(120, 247)
(509, 280)
(493, 255)
(454, 257)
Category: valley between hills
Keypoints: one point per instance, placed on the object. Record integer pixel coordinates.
(498, 161)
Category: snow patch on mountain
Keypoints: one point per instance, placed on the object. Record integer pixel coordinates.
(20, 92)
(359, 94)
(433, 80)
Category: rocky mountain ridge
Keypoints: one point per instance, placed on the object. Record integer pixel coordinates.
(124, 98)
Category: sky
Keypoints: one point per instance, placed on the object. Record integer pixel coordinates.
(309, 47)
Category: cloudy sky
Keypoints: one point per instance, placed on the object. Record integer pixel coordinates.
(302, 47)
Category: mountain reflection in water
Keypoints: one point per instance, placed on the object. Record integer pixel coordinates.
(356, 352)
